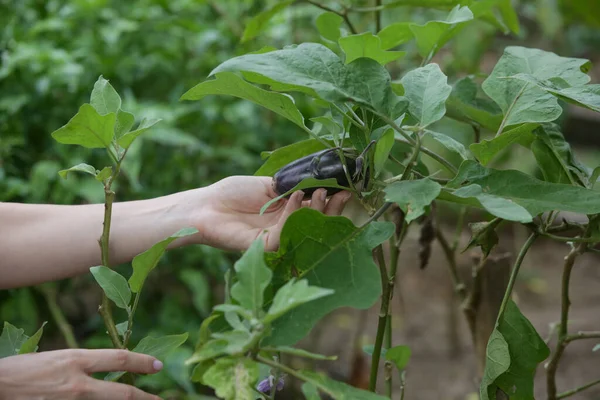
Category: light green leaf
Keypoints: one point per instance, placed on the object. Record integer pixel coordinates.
(284, 155)
(522, 101)
(122, 328)
(31, 344)
(114, 285)
(233, 378)
(399, 356)
(145, 262)
(80, 168)
(329, 25)
(11, 340)
(104, 174)
(87, 128)
(259, 22)
(331, 253)
(298, 352)
(124, 123)
(382, 150)
(433, 35)
(413, 196)
(208, 350)
(450, 144)
(199, 371)
(128, 138)
(514, 351)
(293, 294)
(487, 149)
(227, 83)
(426, 89)
(314, 69)
(238, 341)
(158, 347)
(367, 45)
(104, 97)
(464, 104)
(395, 34)
(253, 278)
(337, 390)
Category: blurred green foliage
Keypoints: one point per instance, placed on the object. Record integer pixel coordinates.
(152, 51)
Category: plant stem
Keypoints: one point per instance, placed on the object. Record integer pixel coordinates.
(130, 319)
(459, 286)
(513, 275)
(383, 318)
(570, 239)
(571, 392)
(583, 335)
(377, 16)
(344, 14)
(279, 366)
(49, 292)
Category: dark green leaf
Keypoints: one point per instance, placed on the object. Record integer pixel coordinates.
(233, 378)
(487, 149)
(253, 278)
(31, 344)
(465, 105)
(259, 22)
(382, 150)
(367, 45)
(11, 340)
(329, 25)
(399, 355)
(514, 351)
(145, 262)
(413, 196)
(113, 284)
(79, 167)
(87, 128)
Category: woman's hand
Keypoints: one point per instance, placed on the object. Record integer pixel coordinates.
(229, 215)
(65, 375)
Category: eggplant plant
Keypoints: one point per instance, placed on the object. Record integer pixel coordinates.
(374, 138)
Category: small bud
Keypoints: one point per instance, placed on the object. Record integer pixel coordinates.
(267, 384)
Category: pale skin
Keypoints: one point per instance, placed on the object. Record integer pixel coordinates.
(40, 243)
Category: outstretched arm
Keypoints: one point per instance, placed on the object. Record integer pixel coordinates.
(40, 243)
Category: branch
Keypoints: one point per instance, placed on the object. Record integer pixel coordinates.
(459, 286)
(343, 14)
(583, 335)
(571, 392)
(383, 317)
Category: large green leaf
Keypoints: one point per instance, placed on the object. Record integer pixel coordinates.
(233, 378)
(513, 353)
(486, 150)
(338, 390)
(464, 104)
(113, 284)
(535, 195)
(259, 22)
(104, 97)
(413, 196)
(426, 89)
(525, 102)
(432, 36)
(145, 262)
(253, 278)
(87, 128)
(314, 69)
(11, 340)
(367, 45)
(227, 83)
(284, 155)
(293, 294)
(331, 253)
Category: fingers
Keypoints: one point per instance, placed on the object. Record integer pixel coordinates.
(317, 201)
(106, 390)
(294, 203)
(336, 203)
(105, 360)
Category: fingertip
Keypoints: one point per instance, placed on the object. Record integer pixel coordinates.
(157, 365)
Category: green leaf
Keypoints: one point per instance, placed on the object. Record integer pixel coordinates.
(464, 104)
(209, 350)
(413, 196)
(104, 174)
(450, 144)
(145, 262)
(367, 45)
(200, 288)
(426, 89)
(395, 34)
(104, 97)
(293, 294)
(227, 83)
(514, 351)
(199, 371)
(122, 328)
(298, 352)
(551, 154)
(329, 25)
(259, 22)
(486, 150)
(31, 344)
(124, 123)
(331, 253)
(87, 128)
(158, 347)
(522, 101)
(382, 150)
(88, 169)
(331, 125)
(253, 278)
(483, 235)
(233, 378)
(128, 138)
(11, 340)
(587, 96)
(535, 195)
(310, 391)
(315, 70)
(337, 390)
(287, 154)
(114, 285)
(399, 356)
(433, 35)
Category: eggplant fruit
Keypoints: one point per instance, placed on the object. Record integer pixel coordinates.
(323, 164)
